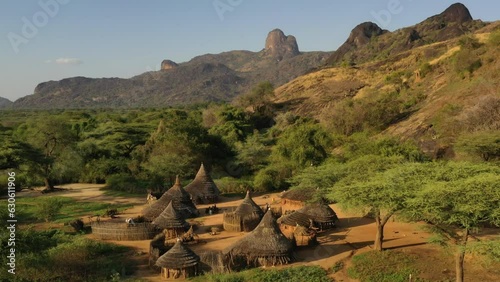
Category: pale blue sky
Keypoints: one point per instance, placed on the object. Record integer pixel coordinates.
(123, 38)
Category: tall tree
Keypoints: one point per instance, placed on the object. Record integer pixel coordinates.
(455, 208)
(51, 135)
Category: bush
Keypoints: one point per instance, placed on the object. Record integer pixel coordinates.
(425, 69)
(49, 208)
(233, 185)
(494, 39)
(124, 182)
(272, 178)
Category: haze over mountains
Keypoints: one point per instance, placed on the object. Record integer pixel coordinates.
(221, 77)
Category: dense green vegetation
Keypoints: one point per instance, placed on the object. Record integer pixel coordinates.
(56, 256)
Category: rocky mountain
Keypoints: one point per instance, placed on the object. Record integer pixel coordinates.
(210, 77)
(4, 102)
(431, 94)
(368, 41)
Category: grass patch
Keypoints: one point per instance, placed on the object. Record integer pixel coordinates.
(27, 209)
(389, 266)
(124, 194)
(291, 274)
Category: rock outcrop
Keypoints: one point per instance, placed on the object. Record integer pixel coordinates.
(456, 13)
(168, 64)
(281, 46)
(452, 22)
(360, 36)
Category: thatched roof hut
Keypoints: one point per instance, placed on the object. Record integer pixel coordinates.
(318, 215)
(171, 222)
(265, 246)
(203, 189)
(178, 262)
(245, 218)
(304, 236)
(181, 201)
(295, 199)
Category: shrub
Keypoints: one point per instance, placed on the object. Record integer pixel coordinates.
(123, 182)
(425, 69)
(49, 208)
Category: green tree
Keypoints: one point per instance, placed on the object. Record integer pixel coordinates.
(485, 144)
(381, 193)
(52, 135)
(259, 102)
(471, 200)
(302, 144)
(253, 153)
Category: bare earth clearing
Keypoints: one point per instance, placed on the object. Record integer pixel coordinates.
(353, 235)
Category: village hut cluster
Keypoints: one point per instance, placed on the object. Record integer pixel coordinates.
(267, 241)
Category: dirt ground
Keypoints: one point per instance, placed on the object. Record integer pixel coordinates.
(353, 235)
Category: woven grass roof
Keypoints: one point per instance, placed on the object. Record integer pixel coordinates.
(318, 212)
(248, 207)
(181, 201)
(202, 186)
(178, 257)
(266, 240)
(302, 194)
(170, 218)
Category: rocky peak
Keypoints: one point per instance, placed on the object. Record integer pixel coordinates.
(168, 64)
(363, 32)
(456, 13)
(280, 45)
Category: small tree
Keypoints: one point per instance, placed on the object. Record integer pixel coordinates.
(49, 208)
(455, 208)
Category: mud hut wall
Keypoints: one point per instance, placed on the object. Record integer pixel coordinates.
(287, 230)
(171, 233)
(169, 273)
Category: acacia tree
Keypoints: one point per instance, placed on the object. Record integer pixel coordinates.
(51, 135)
(381, 194)
(455, 208)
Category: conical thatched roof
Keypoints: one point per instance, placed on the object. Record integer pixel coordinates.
(266, 240)
(178, 257)
(203, 188)
(181, 201)
(319, 213)
(248, 207)
(170, 218)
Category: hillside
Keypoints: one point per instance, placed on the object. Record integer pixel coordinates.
(4, 102)
(368, 41)
(206, 78)
(431, 94)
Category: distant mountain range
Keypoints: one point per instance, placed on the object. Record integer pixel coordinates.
(210, 77)
(224, 76)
